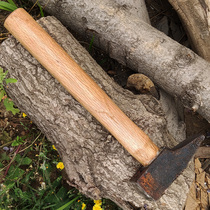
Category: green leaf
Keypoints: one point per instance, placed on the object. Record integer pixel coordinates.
(10, 80)
(62, 193)
(27, 177)
(12, 2)
(7, 6)
(17, 141)
(18, 192)
(2, 74)
(9, 105)
(18, 158)
(40, 8)
(26, 161)
(47, 207)
(4, 156)
(11, 171)
(15, 174)
(4, 136)
(8, 187)
(2, 94)
(68, 204)
(91, 44)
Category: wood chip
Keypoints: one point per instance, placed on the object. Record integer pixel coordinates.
(208, 180)
(198, 165)
(200, 179)
(209, 198)
(203, 152)
(204, 200)
(192, 203)
(199, 194)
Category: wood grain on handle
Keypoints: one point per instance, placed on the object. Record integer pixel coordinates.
(46, 50)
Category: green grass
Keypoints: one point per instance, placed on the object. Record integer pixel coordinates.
(30, 179)
(8, 6)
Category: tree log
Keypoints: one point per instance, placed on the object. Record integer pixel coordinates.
(132, 42)
(94, 161)
(195, 16)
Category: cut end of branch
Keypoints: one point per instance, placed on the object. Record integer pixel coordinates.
(195, 107)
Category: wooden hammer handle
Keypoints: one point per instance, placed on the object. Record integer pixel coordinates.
(46, 50)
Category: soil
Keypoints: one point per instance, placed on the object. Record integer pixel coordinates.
(164, 18)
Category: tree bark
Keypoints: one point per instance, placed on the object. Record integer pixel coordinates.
(132, 42)
(94, 161)
(195, 16)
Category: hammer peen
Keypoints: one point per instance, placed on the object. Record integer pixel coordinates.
(160, 168)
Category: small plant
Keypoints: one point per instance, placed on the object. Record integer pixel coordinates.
(40, 8)
(32, 181)
(8, 103)
(91, 44)
(19, 140)
(8, 6)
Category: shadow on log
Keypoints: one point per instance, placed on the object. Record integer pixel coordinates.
(94, 161)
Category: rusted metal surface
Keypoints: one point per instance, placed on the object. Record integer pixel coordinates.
(169, 164)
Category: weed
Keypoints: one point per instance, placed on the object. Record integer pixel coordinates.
(40, 8)
(8, 103)
(19, 140)
(91, 44)
(32, 181)
(8, 6)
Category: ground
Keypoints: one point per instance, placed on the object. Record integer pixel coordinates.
(16, 127)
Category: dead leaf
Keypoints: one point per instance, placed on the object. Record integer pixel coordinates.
(200, 179)
(204, 200)
(192, 202)
(208, 180)
(198, 165)
(141, 84)
(203, 152)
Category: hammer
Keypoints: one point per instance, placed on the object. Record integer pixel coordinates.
(160, 167)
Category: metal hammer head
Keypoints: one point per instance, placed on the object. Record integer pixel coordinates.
(160, 174)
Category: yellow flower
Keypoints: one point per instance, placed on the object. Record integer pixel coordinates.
(60, 165)
(97, 205)
(98, 202)
(83, 206)
(24, 115)
(53, 146)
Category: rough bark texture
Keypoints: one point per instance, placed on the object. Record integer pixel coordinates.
(141, 47)
(195, 15)
(95, 162)
(134, 7)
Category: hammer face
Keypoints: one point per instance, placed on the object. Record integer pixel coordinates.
(160, 174)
